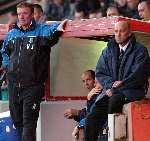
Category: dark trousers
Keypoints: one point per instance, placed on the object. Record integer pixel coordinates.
(99, 113)
(95, 119)
(116, 102)
(24, 105)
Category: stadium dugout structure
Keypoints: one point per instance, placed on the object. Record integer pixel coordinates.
(102, 30)
(93, 29)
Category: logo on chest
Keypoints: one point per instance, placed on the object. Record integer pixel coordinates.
(30, 44)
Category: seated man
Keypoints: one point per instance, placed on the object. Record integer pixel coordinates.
(88, 78)
(123, 72)
(91, 97)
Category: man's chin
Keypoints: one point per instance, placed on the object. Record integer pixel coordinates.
(118, 41)
(87, 88)
(22, 23)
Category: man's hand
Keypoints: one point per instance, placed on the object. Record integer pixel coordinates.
(117, 84)
(94, 91)
(109, 93)
(78, 134)
(70, 113)
(75, 133)
(62, 26)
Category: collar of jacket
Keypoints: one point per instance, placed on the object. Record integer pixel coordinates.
(31, 27)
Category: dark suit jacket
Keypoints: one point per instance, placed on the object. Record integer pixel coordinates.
(133, 71)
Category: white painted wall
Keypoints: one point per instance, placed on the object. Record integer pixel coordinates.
(52, 125)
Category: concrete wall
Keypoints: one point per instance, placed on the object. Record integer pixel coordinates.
(52, 126)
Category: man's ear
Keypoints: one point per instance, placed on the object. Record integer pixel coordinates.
(32, 15)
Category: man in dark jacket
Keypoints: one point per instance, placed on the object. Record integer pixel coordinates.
(131, 10)
(26, 53)
(88, 79)
(58, 10)
(123, 72)
(94, 88)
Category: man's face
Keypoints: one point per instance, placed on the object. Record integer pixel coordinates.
(88, 81)
(132, 4)
(37, 14)
(92, 15)
(58, 2)
(143, 10)
(24, 16)
(112, 12)
(121, 2)
(122, 33)
(79, 15)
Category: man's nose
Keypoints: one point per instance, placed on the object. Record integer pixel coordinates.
(118, 34)
(86, 83)
(21, 16)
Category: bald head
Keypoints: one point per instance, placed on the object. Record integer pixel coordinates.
(122, 32)
(123, 24)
